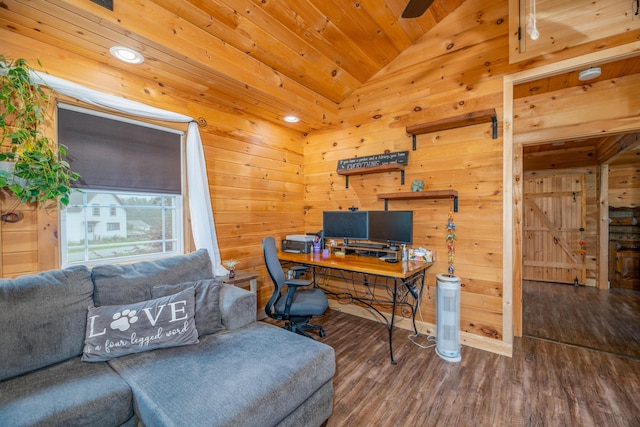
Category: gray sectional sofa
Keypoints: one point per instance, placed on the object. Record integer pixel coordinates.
(85, 347)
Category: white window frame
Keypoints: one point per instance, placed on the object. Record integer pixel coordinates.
(177, 240)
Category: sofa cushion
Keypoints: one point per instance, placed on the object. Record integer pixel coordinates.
(208, 316)
(71, 393)
(253, 376)
(238, 307)
(118, 330)
(127, 283)
(43, 318)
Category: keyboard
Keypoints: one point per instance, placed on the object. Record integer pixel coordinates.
(367, 245)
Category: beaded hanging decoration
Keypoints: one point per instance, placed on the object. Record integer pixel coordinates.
(583, 244)
(451, 236)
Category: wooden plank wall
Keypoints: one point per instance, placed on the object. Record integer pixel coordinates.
(256, 183)
(437, 79)
(254, 168)
(624, 185)
(570, 112)
(416, 89)
(266, 179)
(29, 245)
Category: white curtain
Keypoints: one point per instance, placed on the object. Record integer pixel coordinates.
(202, 225)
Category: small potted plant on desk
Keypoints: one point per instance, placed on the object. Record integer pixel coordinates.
(31, 165)
(231, 265)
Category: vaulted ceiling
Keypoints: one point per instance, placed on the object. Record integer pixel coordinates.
(266, 58)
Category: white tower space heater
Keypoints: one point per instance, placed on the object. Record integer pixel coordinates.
(448, 317)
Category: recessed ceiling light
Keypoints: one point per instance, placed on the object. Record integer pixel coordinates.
(291, 119)
(127, 55)
(589, 74)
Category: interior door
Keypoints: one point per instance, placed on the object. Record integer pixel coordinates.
(554, 220)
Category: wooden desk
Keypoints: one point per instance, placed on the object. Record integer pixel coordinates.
(241, 278)
(357, 263)
(408, 279)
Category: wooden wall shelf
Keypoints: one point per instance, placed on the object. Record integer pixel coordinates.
(469, 119)
(373, 169)
(435, 194)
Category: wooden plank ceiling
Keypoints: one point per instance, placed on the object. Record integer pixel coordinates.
(623, 149)
(265, 58)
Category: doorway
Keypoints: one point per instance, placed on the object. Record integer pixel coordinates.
(560, 300)
(513, 180)
(554, 243)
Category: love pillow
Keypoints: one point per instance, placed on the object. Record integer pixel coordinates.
(118, 330)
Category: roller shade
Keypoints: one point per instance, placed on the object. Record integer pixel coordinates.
(118, 155)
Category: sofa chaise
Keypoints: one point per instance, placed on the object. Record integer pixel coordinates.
(160, 343)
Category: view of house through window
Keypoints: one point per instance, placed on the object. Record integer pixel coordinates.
(102, 226)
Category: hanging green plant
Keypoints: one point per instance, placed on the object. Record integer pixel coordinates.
(33, 168)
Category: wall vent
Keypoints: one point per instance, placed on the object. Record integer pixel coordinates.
(107, 4)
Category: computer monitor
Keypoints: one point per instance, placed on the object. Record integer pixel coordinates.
(391, 226)
(345, 225)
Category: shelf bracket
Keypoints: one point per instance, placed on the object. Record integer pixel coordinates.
(494, 126)
(455, 203)
(346, 181)
(402, 177)
(413, 137)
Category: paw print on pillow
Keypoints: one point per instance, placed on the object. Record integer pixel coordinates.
(123, 320)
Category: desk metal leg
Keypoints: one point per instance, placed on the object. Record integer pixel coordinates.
(416, 307)
(370, 302)
(390, 325)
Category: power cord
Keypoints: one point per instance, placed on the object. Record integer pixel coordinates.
(414, 337)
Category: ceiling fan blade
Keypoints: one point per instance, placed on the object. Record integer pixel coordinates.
(416, 8)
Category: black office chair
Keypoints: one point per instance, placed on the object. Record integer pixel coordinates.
(297, 305)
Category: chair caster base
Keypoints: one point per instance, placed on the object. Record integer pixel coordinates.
(300, 329)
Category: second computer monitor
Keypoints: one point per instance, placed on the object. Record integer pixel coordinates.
(391, 226)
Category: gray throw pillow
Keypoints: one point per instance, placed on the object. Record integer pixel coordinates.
(124, 283)
(208, 316)
(114, 331)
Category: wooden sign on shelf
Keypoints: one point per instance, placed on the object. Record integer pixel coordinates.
(399, 157)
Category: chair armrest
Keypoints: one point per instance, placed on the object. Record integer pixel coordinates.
(237, 307)
(298, 282)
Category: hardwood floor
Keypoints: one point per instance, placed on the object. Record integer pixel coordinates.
(603, 320)
(544, 384)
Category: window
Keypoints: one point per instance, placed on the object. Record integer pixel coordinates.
(141, 194)
(148, 226)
